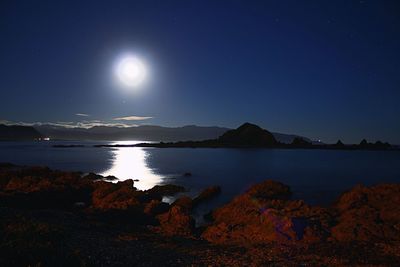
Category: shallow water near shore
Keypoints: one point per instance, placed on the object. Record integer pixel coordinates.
(317, 176)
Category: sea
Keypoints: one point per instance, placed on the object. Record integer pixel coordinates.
(317, 176)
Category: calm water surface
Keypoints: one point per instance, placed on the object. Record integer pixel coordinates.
(318, 176)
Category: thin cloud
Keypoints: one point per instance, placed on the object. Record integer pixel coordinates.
(82, 114)
(65, 122)
(4, 122)
(71, 125)
(132, 118)
(94, 123)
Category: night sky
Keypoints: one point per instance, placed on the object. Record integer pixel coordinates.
(323, 69)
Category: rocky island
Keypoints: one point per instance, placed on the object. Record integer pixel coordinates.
(51, 217)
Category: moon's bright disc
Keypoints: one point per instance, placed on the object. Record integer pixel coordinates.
(131, 71)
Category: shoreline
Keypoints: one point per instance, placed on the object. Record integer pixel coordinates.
(130, 226)
(190, 145)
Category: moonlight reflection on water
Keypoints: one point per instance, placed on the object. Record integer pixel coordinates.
(130, 163)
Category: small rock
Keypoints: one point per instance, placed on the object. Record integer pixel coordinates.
(158, 191)
(207, 194)
(184, 202)
(176, 221)
(155, 207)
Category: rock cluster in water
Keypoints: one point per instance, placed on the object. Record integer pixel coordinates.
(265, 213)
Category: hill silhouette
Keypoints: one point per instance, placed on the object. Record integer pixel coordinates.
(248, 135)
(16, 132)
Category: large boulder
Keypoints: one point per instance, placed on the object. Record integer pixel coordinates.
(177, 221)
(264, 214)
(121, 195)
(369, 214)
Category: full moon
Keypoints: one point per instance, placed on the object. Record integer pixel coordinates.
(131, 71)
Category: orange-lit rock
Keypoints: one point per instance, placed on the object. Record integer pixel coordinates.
(207, 194)
(263, 214)
(184, 202)
(155, 207)
(177, 221)
(369, 214)
(114, 196)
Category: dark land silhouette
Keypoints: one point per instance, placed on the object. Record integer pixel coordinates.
(51, 218)
(246, 136)
(143, 133)
(252, 136)
(15, 132)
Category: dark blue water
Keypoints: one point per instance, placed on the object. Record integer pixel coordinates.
(318, 176)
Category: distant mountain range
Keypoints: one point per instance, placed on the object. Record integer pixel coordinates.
(142, 133)
(146, 133)
(14, 132)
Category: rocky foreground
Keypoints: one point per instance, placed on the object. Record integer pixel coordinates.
(54, 218)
